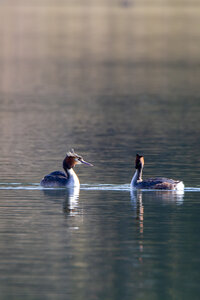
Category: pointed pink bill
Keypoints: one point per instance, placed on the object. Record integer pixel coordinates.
(86, 163)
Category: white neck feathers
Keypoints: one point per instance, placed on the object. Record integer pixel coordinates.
(134, 179)
(72, 178)
(137, 177)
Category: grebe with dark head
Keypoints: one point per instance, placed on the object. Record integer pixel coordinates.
(67, 178)
(158, 183)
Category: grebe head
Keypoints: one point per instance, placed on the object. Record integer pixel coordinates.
(139, 161)
(73, 159)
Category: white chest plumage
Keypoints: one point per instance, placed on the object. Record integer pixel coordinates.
(72, 178)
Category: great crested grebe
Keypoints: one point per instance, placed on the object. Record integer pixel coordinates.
(67, 178)
(158, 183)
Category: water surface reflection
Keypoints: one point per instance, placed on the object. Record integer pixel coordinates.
(165, 197)
(69, 196)
(159, 197)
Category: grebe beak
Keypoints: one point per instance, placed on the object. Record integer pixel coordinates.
(85, 162)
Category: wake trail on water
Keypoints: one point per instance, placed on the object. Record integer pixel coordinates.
(85, 187)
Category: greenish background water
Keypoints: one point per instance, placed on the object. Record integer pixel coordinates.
(109, 80)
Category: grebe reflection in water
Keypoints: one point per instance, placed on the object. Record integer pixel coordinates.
(157, 183)
(67, 178)
(164, 197)
(68, 196)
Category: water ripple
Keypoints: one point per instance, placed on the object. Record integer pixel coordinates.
(87, 187)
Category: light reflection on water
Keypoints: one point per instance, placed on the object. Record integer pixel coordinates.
(136, 241)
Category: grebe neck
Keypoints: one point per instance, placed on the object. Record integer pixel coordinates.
(72, 178)
(137, 177)
(68, 165)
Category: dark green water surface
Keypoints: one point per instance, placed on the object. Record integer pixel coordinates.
(110, 80)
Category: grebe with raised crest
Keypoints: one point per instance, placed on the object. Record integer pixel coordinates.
(157, 183)
(67, 178)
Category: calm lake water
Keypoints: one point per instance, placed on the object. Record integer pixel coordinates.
(109, 81)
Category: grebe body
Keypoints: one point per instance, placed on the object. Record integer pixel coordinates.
(157, 183)
(67, 178)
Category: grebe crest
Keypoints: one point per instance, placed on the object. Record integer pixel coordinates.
(158, 183)
(67, 178)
